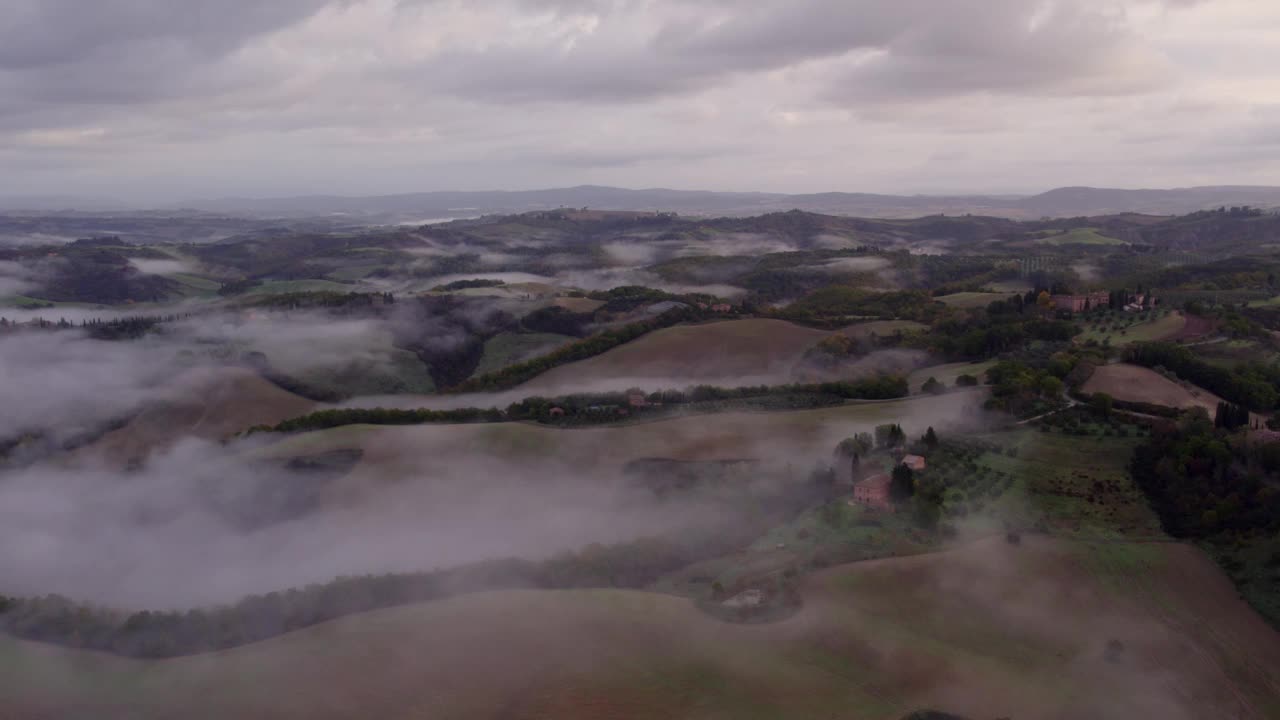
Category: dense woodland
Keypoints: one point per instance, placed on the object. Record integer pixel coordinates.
(1211, 484)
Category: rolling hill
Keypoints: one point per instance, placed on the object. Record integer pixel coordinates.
(210, 403)
(1045, 629)
(732, 352)
(1059, 202)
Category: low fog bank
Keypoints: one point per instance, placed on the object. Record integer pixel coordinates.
(68, 383)
(204, 523)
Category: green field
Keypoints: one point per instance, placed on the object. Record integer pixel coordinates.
(1078, 236)
(195, 284)
(510, 348)
(1131, 328)
(882, 328)
(969, 300)
(947, 374)
(1010, 287)
(276, 287)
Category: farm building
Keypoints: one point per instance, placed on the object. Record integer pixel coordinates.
(1078, 303)
(915, 462)
(873, 491)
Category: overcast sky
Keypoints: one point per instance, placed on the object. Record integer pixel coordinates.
(159, 100)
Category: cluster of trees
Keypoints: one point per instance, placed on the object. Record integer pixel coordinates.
(1004, 326)
(1019, 388)
(947, 274)
(327, 299)
(1230, 416)
(129, 328)
(126, 328)
(151, 634)
(595, 407)
(1252, 385)
(557, 320)
(322, 419)
(890, 435)
(629, 297)
(468, 284)
(1201, 482)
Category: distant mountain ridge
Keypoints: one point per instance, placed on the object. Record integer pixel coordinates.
(427, 206)
(1060, 202)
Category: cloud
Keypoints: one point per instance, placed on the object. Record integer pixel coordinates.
(267, 98)
(111, 52)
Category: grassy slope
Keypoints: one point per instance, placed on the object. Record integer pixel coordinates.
(947, 374)
(691, 353)
(990, 630)
(273, 287)
(1079, 236)
(211, 403)
(1139, 331)
(510, 348)
(971, 299)
(699, 437)
(882, 328)
(1139, 384)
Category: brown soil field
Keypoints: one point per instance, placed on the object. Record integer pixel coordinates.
(1195, 328)
(756, 350)
(987, 630)
(1133, 383)
(578, 305)
(210, 403)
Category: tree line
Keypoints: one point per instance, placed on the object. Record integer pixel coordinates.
(160, 634)
(1252, 385)
(514, 375)
(603, 407)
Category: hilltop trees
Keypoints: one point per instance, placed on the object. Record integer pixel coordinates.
(890, 436)
(1230, 416)
(852, 449)
(930, 438)
(1252, 385)
(1102, 404)
(903, 484)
